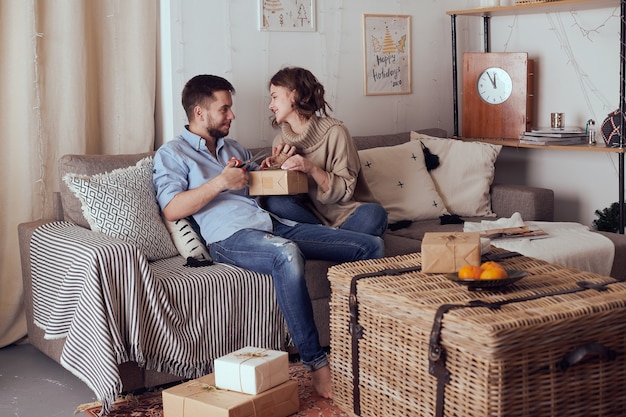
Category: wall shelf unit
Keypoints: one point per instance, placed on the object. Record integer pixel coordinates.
(549, 7)
(546, 7)
(599, 147)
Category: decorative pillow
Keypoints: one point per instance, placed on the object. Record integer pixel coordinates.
(398, 179)
(186, 240)
(81, 164)
(464, 175)
(122, 204)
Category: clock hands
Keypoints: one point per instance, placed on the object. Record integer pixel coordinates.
(493, 80)
(499, 87)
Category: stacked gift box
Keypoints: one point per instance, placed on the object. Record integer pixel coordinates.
(248, 382)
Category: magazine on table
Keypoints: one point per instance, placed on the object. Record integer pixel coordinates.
(514, 232)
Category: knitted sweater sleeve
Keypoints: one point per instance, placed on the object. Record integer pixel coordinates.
(341, 163)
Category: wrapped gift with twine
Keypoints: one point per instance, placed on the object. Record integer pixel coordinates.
(251, 370)
(201, 398)
(447, 252)
(277, 182)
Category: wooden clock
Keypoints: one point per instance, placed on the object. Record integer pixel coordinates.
(497, 94)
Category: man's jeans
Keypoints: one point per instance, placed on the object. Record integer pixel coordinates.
(370, 218)
(282, 254)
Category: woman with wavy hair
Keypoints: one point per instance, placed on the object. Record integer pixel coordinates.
(321, 146)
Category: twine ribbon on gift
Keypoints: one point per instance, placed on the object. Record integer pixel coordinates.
(205, 386)
(212, 388)
(451, 240)
(259, 354)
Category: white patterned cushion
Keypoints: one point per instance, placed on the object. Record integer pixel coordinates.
(186, 240)
(464, 175)
(398, 178)
(122, 204)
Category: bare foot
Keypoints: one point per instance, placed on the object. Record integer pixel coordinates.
(322, 382)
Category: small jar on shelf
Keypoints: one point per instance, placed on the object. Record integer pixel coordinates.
(591, 131)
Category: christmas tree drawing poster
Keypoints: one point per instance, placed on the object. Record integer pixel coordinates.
(287, 15)
(387, 44)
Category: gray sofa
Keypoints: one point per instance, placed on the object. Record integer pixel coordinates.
(532, 203)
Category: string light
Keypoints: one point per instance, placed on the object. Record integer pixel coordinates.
(41, 143)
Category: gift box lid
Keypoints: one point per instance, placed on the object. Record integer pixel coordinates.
(251, 370)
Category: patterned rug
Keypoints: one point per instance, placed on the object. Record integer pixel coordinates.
(150, 405)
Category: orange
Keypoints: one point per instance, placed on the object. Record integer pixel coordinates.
(470, 272)
(493, 273)
(490, 265)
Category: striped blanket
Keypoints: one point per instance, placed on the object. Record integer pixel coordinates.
(113, 306)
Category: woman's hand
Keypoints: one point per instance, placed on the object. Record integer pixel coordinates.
(284, 156)
(280, 154)
(300, 163)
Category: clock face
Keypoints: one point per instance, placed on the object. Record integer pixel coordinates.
(494, 85)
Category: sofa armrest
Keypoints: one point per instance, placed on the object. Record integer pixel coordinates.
(80, 249)
(24, 233)
(532, 203)
(618, 270)
(35, 334)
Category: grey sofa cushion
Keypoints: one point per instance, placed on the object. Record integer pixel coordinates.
(374, 141)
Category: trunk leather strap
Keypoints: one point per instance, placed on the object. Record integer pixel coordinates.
(356, 330)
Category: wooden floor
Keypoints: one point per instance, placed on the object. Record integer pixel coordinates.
(33, 385)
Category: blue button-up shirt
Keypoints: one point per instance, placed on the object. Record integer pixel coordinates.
(186, 163)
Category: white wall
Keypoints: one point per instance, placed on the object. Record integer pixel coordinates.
(222, 38)
(577, 71)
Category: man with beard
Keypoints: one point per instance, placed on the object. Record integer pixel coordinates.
(196, 174)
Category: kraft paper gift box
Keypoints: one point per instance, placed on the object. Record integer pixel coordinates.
(447, 252)
(200, 398)
(251, 370)
(277, 182)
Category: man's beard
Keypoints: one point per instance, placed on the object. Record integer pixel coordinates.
(214, 132)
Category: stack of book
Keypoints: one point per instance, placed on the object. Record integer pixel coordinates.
(549, 136)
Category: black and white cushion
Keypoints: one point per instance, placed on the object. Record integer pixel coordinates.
(189, 243)
(122, 204)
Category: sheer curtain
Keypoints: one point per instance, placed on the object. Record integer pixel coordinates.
(76, 76)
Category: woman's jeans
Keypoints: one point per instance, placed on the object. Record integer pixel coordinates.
(282, 254)
(369, 218)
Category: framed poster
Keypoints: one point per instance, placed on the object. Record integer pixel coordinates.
(387, 54)
(287, 15)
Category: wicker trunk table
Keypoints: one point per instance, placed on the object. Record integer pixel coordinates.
(406, 343)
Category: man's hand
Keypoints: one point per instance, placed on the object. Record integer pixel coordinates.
(188, 202)
(232, 177)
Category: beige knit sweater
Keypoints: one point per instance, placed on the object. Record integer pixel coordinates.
(327, 143)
